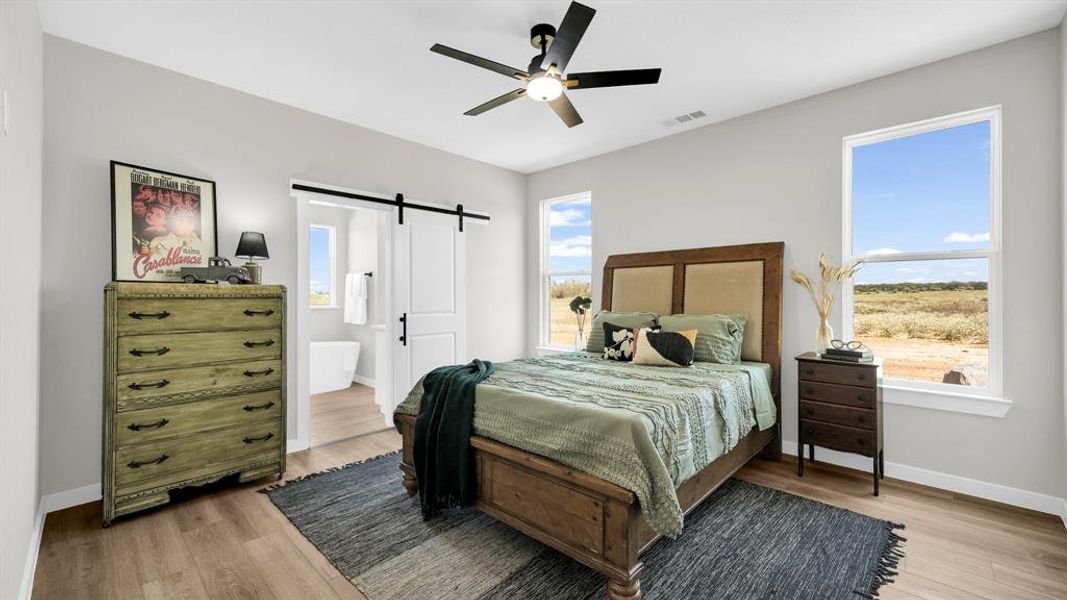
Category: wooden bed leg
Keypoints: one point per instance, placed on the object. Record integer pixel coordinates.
(622, 589)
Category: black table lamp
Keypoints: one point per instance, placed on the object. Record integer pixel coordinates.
(252, 246)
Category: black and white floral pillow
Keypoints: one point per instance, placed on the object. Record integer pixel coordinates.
(618, 342)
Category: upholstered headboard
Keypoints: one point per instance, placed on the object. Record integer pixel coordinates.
(745, 279)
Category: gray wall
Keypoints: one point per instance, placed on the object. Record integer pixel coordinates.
(20, 286)
(100, 106)
(356, 250)
(776, 175)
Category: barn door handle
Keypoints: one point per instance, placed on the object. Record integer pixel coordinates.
(404, 323)
(137, 464)
(255, 373)
(262, 438)
(144, 315)
(251, 344)
(140, 426)
(253, 407)
(265, 312)
(154, 384)
(157, 351)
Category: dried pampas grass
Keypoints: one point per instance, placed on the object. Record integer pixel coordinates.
(823, 298)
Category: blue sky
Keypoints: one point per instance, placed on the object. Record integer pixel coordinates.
(570, 236)
(923, 193)
(319, 246)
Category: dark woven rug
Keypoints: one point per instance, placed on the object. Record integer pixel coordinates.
(746, 541)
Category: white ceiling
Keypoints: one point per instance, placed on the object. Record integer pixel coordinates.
(369, 63)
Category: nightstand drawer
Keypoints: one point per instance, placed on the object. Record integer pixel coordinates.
(835, 413)
(838, 437)
(841, 374)
(847, 395)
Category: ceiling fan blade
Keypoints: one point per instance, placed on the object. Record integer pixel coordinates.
(495, 102)
(612, 78)
(478, 61)
(570, 32)
(563, 107)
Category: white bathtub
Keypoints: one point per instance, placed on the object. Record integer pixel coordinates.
(332, 365)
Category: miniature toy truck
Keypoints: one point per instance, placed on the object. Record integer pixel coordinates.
(218, 269)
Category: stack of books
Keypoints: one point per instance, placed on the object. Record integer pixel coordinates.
(848, 355)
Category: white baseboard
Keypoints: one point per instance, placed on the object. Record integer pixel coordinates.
(30, 570)
(69, 498)
(296, 445)
(953, 483)
(367, 381)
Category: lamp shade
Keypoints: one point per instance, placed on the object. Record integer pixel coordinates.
(252, 245)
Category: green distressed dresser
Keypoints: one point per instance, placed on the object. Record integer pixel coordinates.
(194, 388)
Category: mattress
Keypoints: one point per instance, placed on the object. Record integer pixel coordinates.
(644, 428)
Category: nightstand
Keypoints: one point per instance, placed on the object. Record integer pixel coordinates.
(840, 408)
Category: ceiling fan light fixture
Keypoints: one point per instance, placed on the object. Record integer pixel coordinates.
(544, 87)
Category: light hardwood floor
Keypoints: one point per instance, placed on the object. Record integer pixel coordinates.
(229, 542)
(343, 414)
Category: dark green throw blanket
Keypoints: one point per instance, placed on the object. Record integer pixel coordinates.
(444, 462)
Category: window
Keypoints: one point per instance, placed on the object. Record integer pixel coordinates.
(921, 212)
(323, 271)
(566, 269)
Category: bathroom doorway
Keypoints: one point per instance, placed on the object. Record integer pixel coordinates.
(344, 318)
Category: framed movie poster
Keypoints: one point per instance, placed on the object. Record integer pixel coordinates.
(160, 222)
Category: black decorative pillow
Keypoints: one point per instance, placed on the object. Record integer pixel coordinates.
(664, 348)
(618, 342)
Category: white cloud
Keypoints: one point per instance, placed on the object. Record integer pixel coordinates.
(579, 245)
(959, 237)
(881, 252)
(567, 217)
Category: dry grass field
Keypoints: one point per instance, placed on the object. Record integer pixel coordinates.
(922, 334)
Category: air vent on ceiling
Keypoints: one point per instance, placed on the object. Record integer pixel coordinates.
(687, 117)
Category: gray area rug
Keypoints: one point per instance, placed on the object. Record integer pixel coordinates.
(745, 541)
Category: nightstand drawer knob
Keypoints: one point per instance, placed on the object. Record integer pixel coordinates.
(809, 371)
(809, 431)
(861, 376)
(861, 441)
(861, 419)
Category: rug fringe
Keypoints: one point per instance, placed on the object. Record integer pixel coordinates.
(275, 486)
(888, 562)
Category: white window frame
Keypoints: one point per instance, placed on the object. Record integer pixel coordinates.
(988, 401)
(545, 339)
(332, 233)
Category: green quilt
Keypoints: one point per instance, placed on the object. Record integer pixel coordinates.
(644, 428)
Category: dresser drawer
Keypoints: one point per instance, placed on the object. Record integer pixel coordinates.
(162, 422)
(158, 315)
(835, 413)
(146, 466)
(839, 394)
(841, 374)
(169, 350)
(838, 437)
(136, 390)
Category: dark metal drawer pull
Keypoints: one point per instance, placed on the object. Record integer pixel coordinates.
(137, 464)
(264, 343)
(861, 376)
(157, 351)
(145, 386)
(809, 431)
(144, 315)
(140, 426)
(251, 407)
(255, 373)
(861, 441)
(264, 312)
(861, 419)
(262, 438)
(810, 371)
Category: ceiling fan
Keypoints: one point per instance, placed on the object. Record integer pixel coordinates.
(544, 79)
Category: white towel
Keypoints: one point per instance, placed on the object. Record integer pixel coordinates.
(356, 298)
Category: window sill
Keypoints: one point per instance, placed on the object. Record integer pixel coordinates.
(971, 404)
(550, 350)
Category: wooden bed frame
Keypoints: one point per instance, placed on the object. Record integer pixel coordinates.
(592, 520)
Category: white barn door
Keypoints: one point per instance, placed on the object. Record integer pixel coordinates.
(429, 275)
